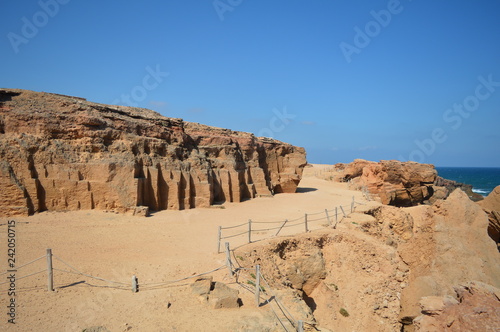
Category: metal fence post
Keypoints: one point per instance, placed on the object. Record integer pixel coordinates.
(305, 221)
(219, 235)
(300, 326)
(228, 260)
(328, 217)
(249, 230)
(50, 271)
(135, 284)
(257, 285)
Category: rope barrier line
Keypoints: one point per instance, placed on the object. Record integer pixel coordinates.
(317, 219)
(267, 222)
(230, 236)
(244, 224)
(266, 229)
(88, 275)
(290, 222)
(313, 214)
(282, 307)
(20, 267)
(182, 279)
(19, 278)
(279, 302)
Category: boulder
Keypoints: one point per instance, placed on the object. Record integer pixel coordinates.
(223, 296)
(201, 287)
(62, 153)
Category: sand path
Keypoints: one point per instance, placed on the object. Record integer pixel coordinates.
(166, 246)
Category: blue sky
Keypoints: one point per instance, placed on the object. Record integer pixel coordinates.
(345, 79)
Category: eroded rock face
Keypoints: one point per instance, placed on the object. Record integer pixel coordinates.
(65, 153)
(477, 309)
(449, 247)
(491, 205)
(391, 181)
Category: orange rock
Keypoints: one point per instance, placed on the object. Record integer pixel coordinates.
(391, 181)
(65, 153)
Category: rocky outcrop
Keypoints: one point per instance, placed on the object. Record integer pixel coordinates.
(449, 247)
(391, 182)
(449, 185)
(477, 309)
(491, 205)
(65, 153)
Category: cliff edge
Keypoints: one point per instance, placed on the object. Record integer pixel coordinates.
(65, 153)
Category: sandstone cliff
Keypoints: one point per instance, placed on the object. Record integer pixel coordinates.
(65, 153)
(391, 181)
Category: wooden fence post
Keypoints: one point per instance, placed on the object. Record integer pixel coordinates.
(50, 271)
(279, 230)
(343, 212)
(135, 285)
(300, 326)
(219, 235)
(328, 217)
(257, 285)
(305, 222)
(352, 205)
(228, 260)
(336, 216)
(249, 230)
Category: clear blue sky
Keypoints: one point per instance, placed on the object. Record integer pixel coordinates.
(299, 71)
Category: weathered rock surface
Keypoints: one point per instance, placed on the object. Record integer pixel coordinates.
(477, 309)
(449, 186)
(65, 153)
(223, 296)
(491, 205)
(391, 181)
(331, 270)
(449, 247)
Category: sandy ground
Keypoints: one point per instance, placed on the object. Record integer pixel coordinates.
(166, 246)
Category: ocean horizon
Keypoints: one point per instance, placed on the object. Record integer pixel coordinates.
(482, 179)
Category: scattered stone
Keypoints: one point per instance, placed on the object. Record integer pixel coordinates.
(201, 287)
(223, 296)
(96, 329)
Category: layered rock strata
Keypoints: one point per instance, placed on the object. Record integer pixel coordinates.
(390, 181)
(65, 153)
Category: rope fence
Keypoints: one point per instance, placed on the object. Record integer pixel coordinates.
(49, 270)
(333, 217)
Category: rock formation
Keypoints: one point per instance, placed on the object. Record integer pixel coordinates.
(477, 309)
(390, 181)
(65, 153)
(449, 247)
(449, 185)
(388, 267)
(491, 205)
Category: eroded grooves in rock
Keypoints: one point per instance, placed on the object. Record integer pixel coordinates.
(65, 153)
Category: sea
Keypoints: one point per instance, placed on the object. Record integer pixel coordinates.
(482, 179)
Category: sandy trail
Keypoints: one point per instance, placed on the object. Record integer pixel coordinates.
(166, 246)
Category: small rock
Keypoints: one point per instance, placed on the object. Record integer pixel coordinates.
(223, 296)
(202, 287)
